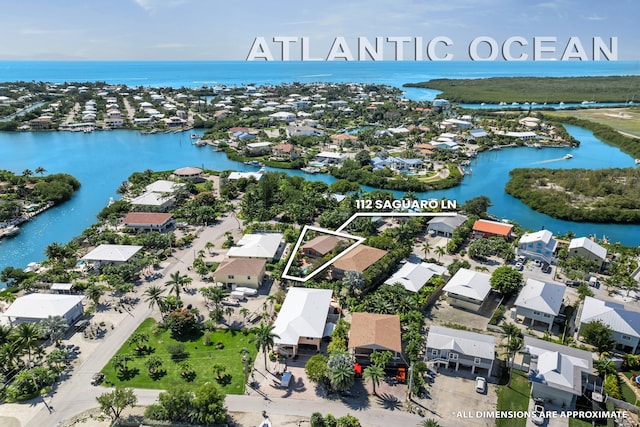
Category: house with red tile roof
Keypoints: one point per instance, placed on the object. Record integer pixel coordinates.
(486, 228)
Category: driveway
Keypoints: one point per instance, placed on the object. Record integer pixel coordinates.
(443, 403)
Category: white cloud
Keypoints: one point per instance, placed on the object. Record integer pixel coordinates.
(170, 46)
(152, 5)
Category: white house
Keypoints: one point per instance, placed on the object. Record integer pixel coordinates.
(454, 348)
(154, 201)
(302, 320)
(558, 374)
(414, 276)
(539, 245)
(112, 254)
(33, 308)
(587, 249)
(259, 245)
(539, 302)
(624, 323)
(330, 158)
(468, 289)
(446, 225)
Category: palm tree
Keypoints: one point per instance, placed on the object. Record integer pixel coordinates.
(94, 293)
(215, 295)
(264, 340)
(153, 364)
(514, 345)
(374, 374)
(440, 250)
(120, 362)
(208, 246)
(229, 312)
(40, 170)
(429, 423)
(244, 311)
(54, 327)
(177, 282)
(27, 173)
(604, 365)
(26, 336)
(154, 297)
(426, 248)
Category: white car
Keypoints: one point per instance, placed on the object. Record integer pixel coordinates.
(481, 384)
(537, 417)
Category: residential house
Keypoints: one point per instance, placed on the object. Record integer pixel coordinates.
(624, 323)
(486, 228)
(283, 116)
(259, 245)
(559, 374)
(342, 139)
(588, 249)
(320, 246)
(414, 276)
(247, 272)
(330, 158)
(478, 133)
(151, 221)
(302, 320)
(41, 123)
(154, 201)
(445, 225)
(301, 130)
(456, 349)
(539, 303)
(358, 259)
(188, 172)
(371, 332)
(111, 254)
(468, 289)
(33, 308)
(258, 148)
(234, 176)
(539, 246)
(285, 151)
(164, 186)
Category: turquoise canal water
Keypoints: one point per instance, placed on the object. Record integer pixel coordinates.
(102, 160)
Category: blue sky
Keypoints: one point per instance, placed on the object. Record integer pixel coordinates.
(225, 30)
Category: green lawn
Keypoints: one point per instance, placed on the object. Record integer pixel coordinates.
(627, 394)
(515, 397)
(200, 358)
(574, 422)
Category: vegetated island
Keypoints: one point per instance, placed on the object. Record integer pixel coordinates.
(580, 195)
(24, 196)
(536, 89)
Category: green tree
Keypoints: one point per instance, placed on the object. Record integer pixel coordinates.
(40, 170)
(430, 422)
(353, 281)
(598, 335)
(116, 401)
(440, 251)
(264, 340)
(604, 366)
(94, 293)
(513, 346)
(374, 374)
(120, 362)
(176, 282)
(181, 322)
(207, 407)
(154, 296)
(340, 371)
(477, 206)
(505, 280)
(26, 336)
(584, 291)
(54, 327)
(175, 404)
(138, 339)
(153, 365)
(316, 368)
(381, 358)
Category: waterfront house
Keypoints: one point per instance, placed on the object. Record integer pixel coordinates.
(330, 158)
(445, 225)
(111, 254)
(285, 151)
(539, 246)
(267, 246)
(624, 323)
(342, 139)
(234, 176)
(414, 276)
(188, 172)
(247, 272)
(486, 228)
(149, 221)
(153, 201)
(478, 133)
(302, 320)
(358, 259)
(468, 289)
(559, 374)
(320, 246)
(258, 148)
(539, 303)
(301, 130)
(371, 332)
(164, 186)
(41, 123)
(33, 308)
(587, 249)
(458, 349)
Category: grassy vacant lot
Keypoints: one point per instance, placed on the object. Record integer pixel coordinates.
(625, 120)
(514, 397)
(201, 358)
(574, 422)
(537, 89)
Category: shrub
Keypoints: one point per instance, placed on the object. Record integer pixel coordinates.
(177, 351)
(317, 420)
(219, 345)
(612, 387)
(497, 315)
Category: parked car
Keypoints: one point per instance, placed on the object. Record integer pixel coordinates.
(97, 378)
(537, 263)
(537, 417)
(481, 384)
(519, 266)
(231, 302)
(546, 268)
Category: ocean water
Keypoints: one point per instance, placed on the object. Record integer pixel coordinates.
(102, 160)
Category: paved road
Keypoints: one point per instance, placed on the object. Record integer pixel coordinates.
(76, 395)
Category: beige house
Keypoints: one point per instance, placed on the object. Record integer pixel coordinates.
(358, 259)
(247, 272)
(374, 332)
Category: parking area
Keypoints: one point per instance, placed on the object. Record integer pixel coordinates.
(439, 404)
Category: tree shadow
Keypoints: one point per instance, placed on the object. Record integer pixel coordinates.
(125, 375)
(388, 401)
(158, 374)
(224, 379)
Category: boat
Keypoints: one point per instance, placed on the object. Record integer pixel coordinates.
(199, 143)
(537, 145)
(254, 163)
(9, 231)
(637, 162)
(568, 156)
(310, 169)
(195, 136)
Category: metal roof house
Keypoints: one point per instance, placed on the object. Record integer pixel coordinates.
(539, 245)
(414, 276)
(624, 323)
(456, 349)
(468, 289)
(33, 308)
(540, 302)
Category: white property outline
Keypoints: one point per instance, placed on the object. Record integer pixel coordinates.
(339, 233)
